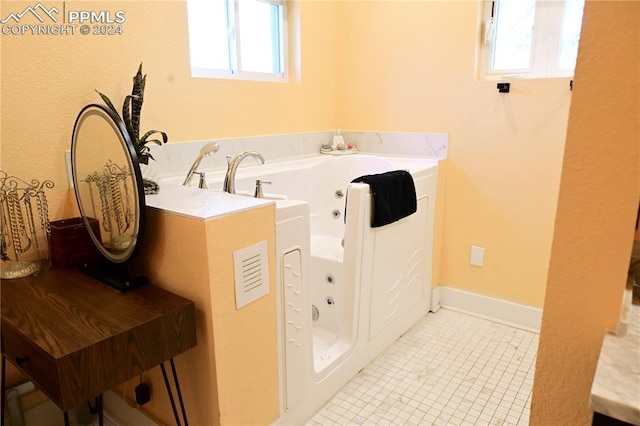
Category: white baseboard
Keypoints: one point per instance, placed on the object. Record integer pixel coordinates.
(521, 316)
(435, 299)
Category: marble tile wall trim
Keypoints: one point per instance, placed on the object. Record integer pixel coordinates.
(616, 386)
(431, 145)
(176, 157)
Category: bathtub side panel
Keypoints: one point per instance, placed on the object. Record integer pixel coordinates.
(398, 278)
(397, 267)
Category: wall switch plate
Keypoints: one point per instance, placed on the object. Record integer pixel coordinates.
(477, 256)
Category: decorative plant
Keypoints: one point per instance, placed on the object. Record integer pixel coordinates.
(131, 109)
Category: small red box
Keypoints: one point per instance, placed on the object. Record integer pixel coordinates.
(70, 242)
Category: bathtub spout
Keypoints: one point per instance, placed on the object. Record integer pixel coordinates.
(233, 163)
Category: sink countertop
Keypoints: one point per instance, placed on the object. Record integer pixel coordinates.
(200, 203)
(616, 385)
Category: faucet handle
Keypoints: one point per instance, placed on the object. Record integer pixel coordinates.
(258, 192)
(202, 183)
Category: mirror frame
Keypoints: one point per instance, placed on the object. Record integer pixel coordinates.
(126, 144)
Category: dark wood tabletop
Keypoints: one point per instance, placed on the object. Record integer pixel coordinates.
(76, 338)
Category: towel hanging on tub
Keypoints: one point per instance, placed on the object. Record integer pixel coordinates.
(394, 196)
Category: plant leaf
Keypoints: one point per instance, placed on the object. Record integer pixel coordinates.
(138, 98)
(136, 108)
(131, 110)
(126, 117)
(144, 138)
(156, 141)
(138, 87)
(143, 83)
(107, 101)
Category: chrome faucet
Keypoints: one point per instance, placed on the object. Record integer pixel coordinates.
(230, 178)
(208, 149)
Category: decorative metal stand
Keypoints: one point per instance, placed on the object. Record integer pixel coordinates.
(23, 233)
(112, 203)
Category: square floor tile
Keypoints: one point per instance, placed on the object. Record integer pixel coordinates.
(449, 369)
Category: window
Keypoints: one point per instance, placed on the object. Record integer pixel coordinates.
(237, 39)
(530, 38)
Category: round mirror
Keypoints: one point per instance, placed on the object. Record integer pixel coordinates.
(108, 183)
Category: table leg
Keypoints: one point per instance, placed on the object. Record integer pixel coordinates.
(66, 419)
(98, 408)
(175, 380)
(170, 392)
(100, 404)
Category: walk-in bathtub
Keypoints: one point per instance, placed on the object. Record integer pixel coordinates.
(346, 291)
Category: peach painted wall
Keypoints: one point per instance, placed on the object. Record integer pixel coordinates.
(596, 214)
(370, 65)
(366, 65)
(172, 241)
(409, 66)
(223, 379)
(46, 80)
(246, 348)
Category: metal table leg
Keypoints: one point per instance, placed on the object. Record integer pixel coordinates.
(177, 383)
(170, 392)
(100, 402)
(99, 408)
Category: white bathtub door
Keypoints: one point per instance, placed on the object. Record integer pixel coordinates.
(398, 278)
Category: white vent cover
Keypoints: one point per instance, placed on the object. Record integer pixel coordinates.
(251, 267)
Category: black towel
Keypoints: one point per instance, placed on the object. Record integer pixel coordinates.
(394, 196)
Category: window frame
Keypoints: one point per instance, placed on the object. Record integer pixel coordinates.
(234, 30)
(545, 48)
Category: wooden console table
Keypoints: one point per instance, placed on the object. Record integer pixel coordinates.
(76, 338)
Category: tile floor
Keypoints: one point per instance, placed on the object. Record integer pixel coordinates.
(449, 369)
